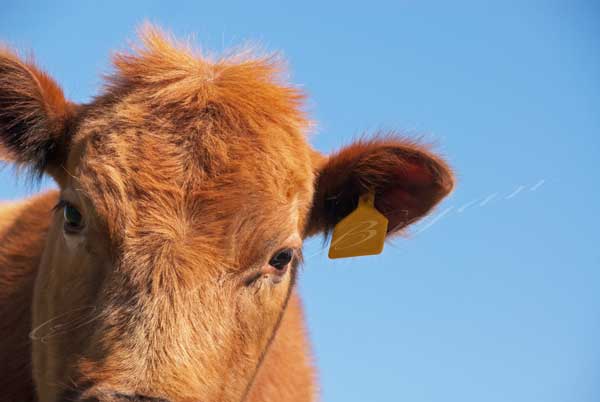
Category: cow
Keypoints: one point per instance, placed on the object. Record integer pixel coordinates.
(163, 267)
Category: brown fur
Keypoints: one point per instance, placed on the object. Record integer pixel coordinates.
(190, 173)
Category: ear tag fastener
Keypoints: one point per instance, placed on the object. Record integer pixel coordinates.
(360, 233)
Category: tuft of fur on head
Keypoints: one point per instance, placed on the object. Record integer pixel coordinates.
(243, 88)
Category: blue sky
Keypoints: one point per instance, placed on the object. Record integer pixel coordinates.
(496, 296)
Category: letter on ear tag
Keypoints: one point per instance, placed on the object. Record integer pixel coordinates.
(360, 233)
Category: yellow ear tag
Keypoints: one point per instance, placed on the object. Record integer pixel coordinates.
(360, 233)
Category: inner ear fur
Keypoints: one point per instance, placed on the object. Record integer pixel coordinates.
(407, 178)
(34, 115)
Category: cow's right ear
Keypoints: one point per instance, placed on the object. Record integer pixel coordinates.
(34, 116)
(406, 178)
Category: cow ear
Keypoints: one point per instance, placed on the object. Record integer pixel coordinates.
(408, 180)
(33, 116)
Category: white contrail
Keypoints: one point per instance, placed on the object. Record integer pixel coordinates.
(514, 193)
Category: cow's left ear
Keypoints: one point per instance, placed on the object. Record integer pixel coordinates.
(34, 116)
(407, 178)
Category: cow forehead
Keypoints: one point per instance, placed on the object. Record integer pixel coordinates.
(176, 136)
(172, 179)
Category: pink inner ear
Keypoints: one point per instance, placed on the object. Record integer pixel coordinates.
(414, 174)
(411, 193)
(398, 206)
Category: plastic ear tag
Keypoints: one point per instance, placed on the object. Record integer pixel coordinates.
(360, 233)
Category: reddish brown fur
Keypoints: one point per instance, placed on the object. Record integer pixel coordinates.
(22, 234)
(190, 174)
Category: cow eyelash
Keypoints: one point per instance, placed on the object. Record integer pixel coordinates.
(60, 205)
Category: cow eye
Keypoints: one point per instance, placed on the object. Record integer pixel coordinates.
(73, 219)
(282, 258)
